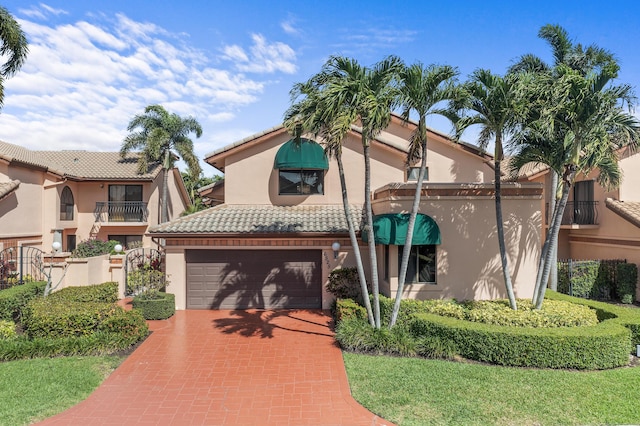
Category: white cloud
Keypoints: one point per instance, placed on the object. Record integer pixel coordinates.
(42, 11)
(263, 57)
(83, 81)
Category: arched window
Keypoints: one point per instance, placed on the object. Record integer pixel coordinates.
(66, 204)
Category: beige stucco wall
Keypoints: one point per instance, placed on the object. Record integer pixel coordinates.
(21, 211)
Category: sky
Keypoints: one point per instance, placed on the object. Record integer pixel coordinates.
(93, 65)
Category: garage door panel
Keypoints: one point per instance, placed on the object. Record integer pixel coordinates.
(228, 279)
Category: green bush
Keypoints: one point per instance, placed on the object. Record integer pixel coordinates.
(55, 318)
(161, 307)
(14, 299)
(105, 293)
(90, 248)
(626, 281)
(348, 308)
(591, 279)
(344, 283)
(128, 324)
(355, 334)
(145, 280)
(7, 329)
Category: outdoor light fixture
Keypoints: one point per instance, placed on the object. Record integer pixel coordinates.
(118, 248)
(335, 247)
(55, 247)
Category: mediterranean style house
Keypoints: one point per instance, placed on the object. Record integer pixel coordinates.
(598, 223)
(71, 196)
(279, 228)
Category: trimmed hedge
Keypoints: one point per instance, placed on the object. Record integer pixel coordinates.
(105, 293)
(14, 299)
(7, 329)
(51, 318)
(627, 278)
(158, 308)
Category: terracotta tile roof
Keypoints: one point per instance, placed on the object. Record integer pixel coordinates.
(628, 210)
(79, 164)
(263, 219)
(527, 171)
(7, 188)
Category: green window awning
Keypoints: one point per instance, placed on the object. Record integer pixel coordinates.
(391, 229)
(305, 154)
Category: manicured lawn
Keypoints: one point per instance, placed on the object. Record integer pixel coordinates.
(35, 389)
(413, 391)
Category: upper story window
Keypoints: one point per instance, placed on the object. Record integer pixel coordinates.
(301, 182)
(66, 204)
(413, 172)
(301, 164)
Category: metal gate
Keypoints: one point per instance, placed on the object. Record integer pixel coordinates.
(19, 265)
(146, 259)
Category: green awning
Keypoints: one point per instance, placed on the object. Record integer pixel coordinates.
(391, 229)
(306, 154)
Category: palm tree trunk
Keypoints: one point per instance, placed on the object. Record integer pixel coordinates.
(354, 241)
(553, 282)
(406, 251)
(552, 236)
(553, 210)
(164, 215)
(375, 289)
(500, 227)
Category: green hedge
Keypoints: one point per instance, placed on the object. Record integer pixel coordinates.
(14, 299)
(51, 318)
(106, 293)
(627, 279)
(156, 309)
(605, 345)
(592, 279)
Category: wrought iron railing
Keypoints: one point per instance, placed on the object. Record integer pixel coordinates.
(121, 211)
(578, 213)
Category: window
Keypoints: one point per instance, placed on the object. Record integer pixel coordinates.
(413, 172)
(66, 204)
(584, 207)
(125, 203)
(128, 241)
(301, 182)
(71, 242)
(422, 264)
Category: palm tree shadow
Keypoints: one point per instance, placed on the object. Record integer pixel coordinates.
(260, 323)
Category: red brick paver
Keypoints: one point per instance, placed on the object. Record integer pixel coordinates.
(228, 368)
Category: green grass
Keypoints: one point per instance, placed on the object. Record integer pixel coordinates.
(414, 391)
(35, 389)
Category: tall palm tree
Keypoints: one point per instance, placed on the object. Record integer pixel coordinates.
(368, 95)
(158, 132)
(582, 60)
(494, 103)
(589, 113)
(13, 47)
(422, 90)
(309, 113)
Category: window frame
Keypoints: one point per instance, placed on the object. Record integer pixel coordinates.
(67, 204)
(416, 169)
(433, 251)
(301, 186)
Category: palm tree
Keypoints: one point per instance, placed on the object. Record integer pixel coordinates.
(496, 105)
(308, 113)
(13, 47)
(368, 96)
(422, 90)
(158, 132)
(589, 115)
(192, 184)
(577, 58)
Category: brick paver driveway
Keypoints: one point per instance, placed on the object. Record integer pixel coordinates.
(228, 368)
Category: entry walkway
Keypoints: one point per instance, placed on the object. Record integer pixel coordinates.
(228, 368)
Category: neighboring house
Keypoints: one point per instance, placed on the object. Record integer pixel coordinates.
(71, 196)
(598, 224)
(271, 241)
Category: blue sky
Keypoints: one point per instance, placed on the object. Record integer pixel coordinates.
(93, 65)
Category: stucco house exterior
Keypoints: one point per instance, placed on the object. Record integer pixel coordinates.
(597, 224)
(71, 196)
(270, 243)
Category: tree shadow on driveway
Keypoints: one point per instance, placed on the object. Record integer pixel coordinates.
(263, 323)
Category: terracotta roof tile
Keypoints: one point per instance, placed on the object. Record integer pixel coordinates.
(263, 219)
(7, 188)
(628, 210)
(80, 164)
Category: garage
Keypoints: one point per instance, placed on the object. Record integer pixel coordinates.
(243, 279)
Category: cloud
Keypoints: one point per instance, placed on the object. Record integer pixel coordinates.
(84, 80)
(289, 26)
(263, 57)
(374, 39)
(42, 11)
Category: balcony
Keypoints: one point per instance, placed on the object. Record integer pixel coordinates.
(578, 214)
(121, 212)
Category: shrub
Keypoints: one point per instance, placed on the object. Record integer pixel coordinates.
(161, 307)
(54, 318)
(14, 299)
(105, 292)
(591, 279)
(145, 280)
(355, 334)
(348, 308)
(90, 248)
(7, 330)
(344, 283)
(626, 281)
(128, 324)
